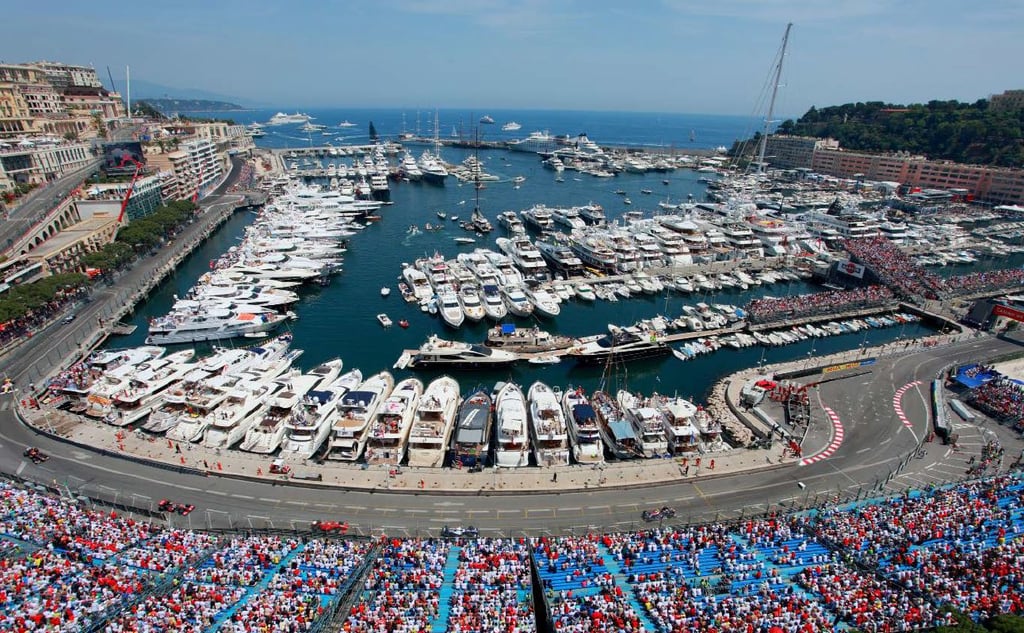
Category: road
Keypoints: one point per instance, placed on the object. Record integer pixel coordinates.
(40, 201)
(875, 442)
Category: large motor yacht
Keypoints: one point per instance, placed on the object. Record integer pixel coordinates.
(440, 353)
(548, 428)
(355, 411)
(472, 430)
(587, 446)
(433, 423)
(389, 430)
(512, 442)
(620, 345)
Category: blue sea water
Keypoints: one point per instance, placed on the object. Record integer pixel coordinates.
(636, 129)
(340, 320)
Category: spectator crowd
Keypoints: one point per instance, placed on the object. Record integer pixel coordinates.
(828, 303)
(888, 565)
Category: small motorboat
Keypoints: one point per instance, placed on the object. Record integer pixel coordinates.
(454, 218)
(464, 240)
(384, 319)
(442, 214)
(546, 359)
(385, 291)
(404, 323)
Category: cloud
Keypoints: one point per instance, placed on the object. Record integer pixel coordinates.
(797, 11)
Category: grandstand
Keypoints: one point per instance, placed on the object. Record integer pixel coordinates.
(889, 564)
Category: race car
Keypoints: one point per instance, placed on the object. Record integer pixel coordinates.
(329, 526)
(658, 514)
(166, 505)
(455, 532)
(36, 455)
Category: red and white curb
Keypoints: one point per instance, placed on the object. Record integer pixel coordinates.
(837, 439)
(897, 403)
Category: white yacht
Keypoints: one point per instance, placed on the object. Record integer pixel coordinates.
(211, 324)
(581, 419)
(536, 142)
(516, 301)
(561, 259)
(648, 422)
(508, 274)
(544, 304)
(511, 126)
(680, 418)
(418, 283)
(538, 217)
(525, 256)
(205, 399)
(512, 223)
(145, 386)
(433, 423)
(440, 353)
(283, 119)
(389, 430)
(432, 168)
(593, 252)
(356, 409)
(548, 429)
(307, 432)
(409, 168)
(494, 305)
(472, 307)
(172, 403)
(450, 308)
(229, 422)
(512, 442)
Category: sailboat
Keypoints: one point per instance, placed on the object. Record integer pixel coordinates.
(477, 221)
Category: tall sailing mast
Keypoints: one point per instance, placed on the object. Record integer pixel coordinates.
(771, 104)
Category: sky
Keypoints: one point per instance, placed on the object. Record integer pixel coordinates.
(685, 56)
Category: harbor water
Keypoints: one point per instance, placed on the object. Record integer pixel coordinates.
(340, 319)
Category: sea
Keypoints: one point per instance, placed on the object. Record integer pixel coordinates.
(339, 320)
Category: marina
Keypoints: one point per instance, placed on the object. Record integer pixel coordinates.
(666, 298)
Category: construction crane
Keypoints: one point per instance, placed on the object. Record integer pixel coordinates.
(131, 185)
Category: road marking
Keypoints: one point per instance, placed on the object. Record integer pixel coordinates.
(837, 439)
(5, 405)
(702, 495)
(243, 496)
(415, 510)
(570, 509)
(217, 492)
(897, 403)
(269, 500)
(354, 507)
(599, 507)
(21, 467)
(864, 450)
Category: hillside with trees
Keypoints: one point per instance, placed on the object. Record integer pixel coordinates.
(950, 130)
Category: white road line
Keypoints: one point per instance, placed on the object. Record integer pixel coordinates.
(21, 467)
(354, 507)
(415, 511)
(243, 496)
(269, 500)
(571, 509)
(217, 492)
(864, 450)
